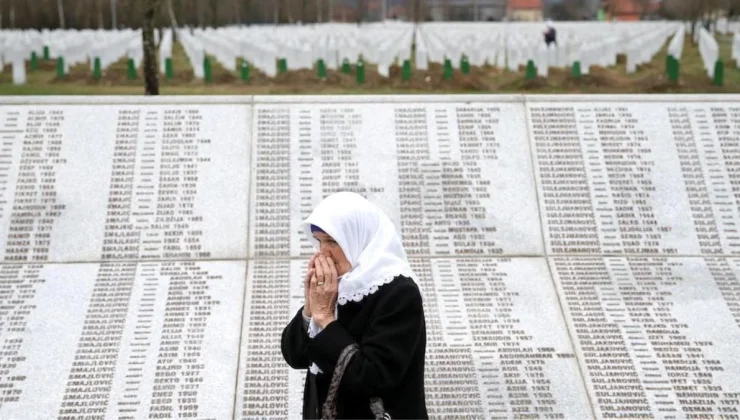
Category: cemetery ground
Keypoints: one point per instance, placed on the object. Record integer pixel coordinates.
(649, 78)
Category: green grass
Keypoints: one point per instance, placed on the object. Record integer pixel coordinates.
(650, 78)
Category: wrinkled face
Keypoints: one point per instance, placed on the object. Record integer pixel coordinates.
(328, 247)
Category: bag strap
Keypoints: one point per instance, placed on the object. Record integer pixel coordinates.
(329, 410)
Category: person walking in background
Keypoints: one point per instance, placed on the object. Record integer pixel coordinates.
(551, 35)
(361, 332)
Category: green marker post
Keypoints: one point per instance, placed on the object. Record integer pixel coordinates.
(719, 73)
(465, 65)
(34, 61)
(46, 52)
(245, 70)
(447, 75)
(207, 71)
(673, 66)
(346, 66)
(282, 65)
(576, 71)
(406, 71)
(60, 68)
(131, 67)
(321, 69)
(531, 70)
(97, 69)
(169, 69)
(360, 72)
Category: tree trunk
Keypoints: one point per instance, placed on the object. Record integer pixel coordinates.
(151, 72)
(60, 10)
(101, 20)
(113, 15)
(238, 12)
(201, 13)
(214, 13)
(11, 15)
(173, 20)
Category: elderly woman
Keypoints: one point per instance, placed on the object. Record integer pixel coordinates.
(361, 332)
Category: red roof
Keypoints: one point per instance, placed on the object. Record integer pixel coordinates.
(626, 7)
(525, 4)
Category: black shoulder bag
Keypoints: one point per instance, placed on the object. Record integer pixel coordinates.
(329, 411)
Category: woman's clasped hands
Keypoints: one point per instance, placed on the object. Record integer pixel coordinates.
(321, 288)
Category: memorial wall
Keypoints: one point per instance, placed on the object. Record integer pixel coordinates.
(579, 256)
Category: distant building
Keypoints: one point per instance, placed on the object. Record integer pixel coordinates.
(524, 10)
(398, 12)
(343, 13)
(465, 10)
(629, 10)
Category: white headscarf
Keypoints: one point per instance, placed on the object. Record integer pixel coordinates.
(367, 238)
(369, 241)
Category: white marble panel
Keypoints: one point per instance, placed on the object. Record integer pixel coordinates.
(108, 182)
(656, 336)
(515, 358)
(637, 178)
(455, 179)
(514, 352)
(266, 386)
(120, 340)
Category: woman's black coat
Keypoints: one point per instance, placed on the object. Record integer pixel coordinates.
(390, 329)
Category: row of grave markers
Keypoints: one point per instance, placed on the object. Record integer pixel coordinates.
(640, 45)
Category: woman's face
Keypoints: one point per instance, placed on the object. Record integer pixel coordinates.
(328, 247)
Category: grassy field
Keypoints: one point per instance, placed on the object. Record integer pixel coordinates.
(650, 78)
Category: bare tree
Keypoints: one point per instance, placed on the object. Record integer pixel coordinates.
(361, 10)
(151, 73)
(304, 3)
(703, 12)
(173, 17)
(60, 10)
(213, 12)
(416, 11)
(101, 19)
(733, 8)
(201, 12)
(113, 15)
